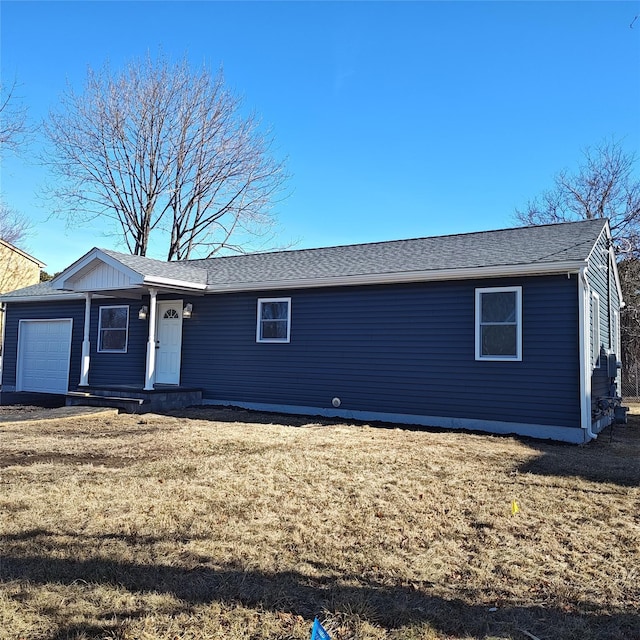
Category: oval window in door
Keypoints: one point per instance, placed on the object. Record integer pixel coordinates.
(171, 313)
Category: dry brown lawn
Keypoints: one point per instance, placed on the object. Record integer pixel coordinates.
(227, 524)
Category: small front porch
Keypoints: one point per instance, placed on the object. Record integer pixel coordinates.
(136, 399)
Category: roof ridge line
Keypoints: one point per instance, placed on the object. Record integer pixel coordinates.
(398, 240)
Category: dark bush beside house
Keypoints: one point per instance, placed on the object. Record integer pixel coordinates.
(507, 331)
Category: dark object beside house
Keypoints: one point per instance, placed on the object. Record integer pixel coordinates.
(509, 331)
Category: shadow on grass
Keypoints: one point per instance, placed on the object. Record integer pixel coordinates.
(389, 606)
(613, 458)
(232, 415)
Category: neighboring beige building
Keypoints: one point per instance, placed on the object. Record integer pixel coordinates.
(17, 269)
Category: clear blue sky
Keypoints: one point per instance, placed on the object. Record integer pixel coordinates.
(399, 119)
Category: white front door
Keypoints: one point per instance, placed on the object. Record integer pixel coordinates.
(168, 341)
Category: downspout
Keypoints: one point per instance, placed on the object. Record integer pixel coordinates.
(584, 297)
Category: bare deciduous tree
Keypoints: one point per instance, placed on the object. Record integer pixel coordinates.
(14, 227)
(13, 119)
(630, 318)
(165, 151)
(606, 185)
(15, 270)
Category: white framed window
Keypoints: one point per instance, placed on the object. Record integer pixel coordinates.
(499, 323)
(595, 329)
(113, 329)
(615, 337)
(274, 320)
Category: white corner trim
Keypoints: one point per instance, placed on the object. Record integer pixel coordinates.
(595, 343)
(584, 353)
(3, 311)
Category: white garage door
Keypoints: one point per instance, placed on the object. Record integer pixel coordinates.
(44, 354)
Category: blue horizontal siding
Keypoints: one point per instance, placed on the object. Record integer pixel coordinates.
(392, 349)
(106, 368)
(602, 280)
(54, 310)
(395, 349)
(119, 368)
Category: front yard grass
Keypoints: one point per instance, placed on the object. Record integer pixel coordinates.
(227, 524)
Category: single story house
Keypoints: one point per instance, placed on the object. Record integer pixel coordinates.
(508, 331)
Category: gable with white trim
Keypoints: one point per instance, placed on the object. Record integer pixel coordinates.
(103, 276)
(96, 271)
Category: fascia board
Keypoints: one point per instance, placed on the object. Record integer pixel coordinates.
(606, 231)
(404, 277)
(54, 297)
(616, 273)
(612, 257)
(614, 265)
(157, 281)
(585, 353)
(59, 282)
(73, 268)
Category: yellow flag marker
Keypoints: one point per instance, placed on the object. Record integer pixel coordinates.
(515, 508)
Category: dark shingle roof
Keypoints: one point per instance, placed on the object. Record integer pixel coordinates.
(187, 270)
(546, 244)
(40, 289)
(521, 246)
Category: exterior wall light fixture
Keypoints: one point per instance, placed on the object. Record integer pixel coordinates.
(188, 309)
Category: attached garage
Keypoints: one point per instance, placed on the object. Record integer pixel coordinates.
(44, 355)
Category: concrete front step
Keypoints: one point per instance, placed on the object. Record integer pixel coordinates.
(136, 401)
(82, 399)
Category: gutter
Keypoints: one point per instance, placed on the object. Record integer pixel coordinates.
(182, 285)
(433, 275)
(584, 298)
(52, 297)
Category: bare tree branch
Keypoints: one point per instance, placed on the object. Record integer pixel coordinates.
(606, 185)
(163, 150)
(14, 227)
(13, 119)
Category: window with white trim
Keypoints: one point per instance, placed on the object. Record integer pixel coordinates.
(615, 337)
(499, 323)
(274, 320)
(595, 329)
(113, 329)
